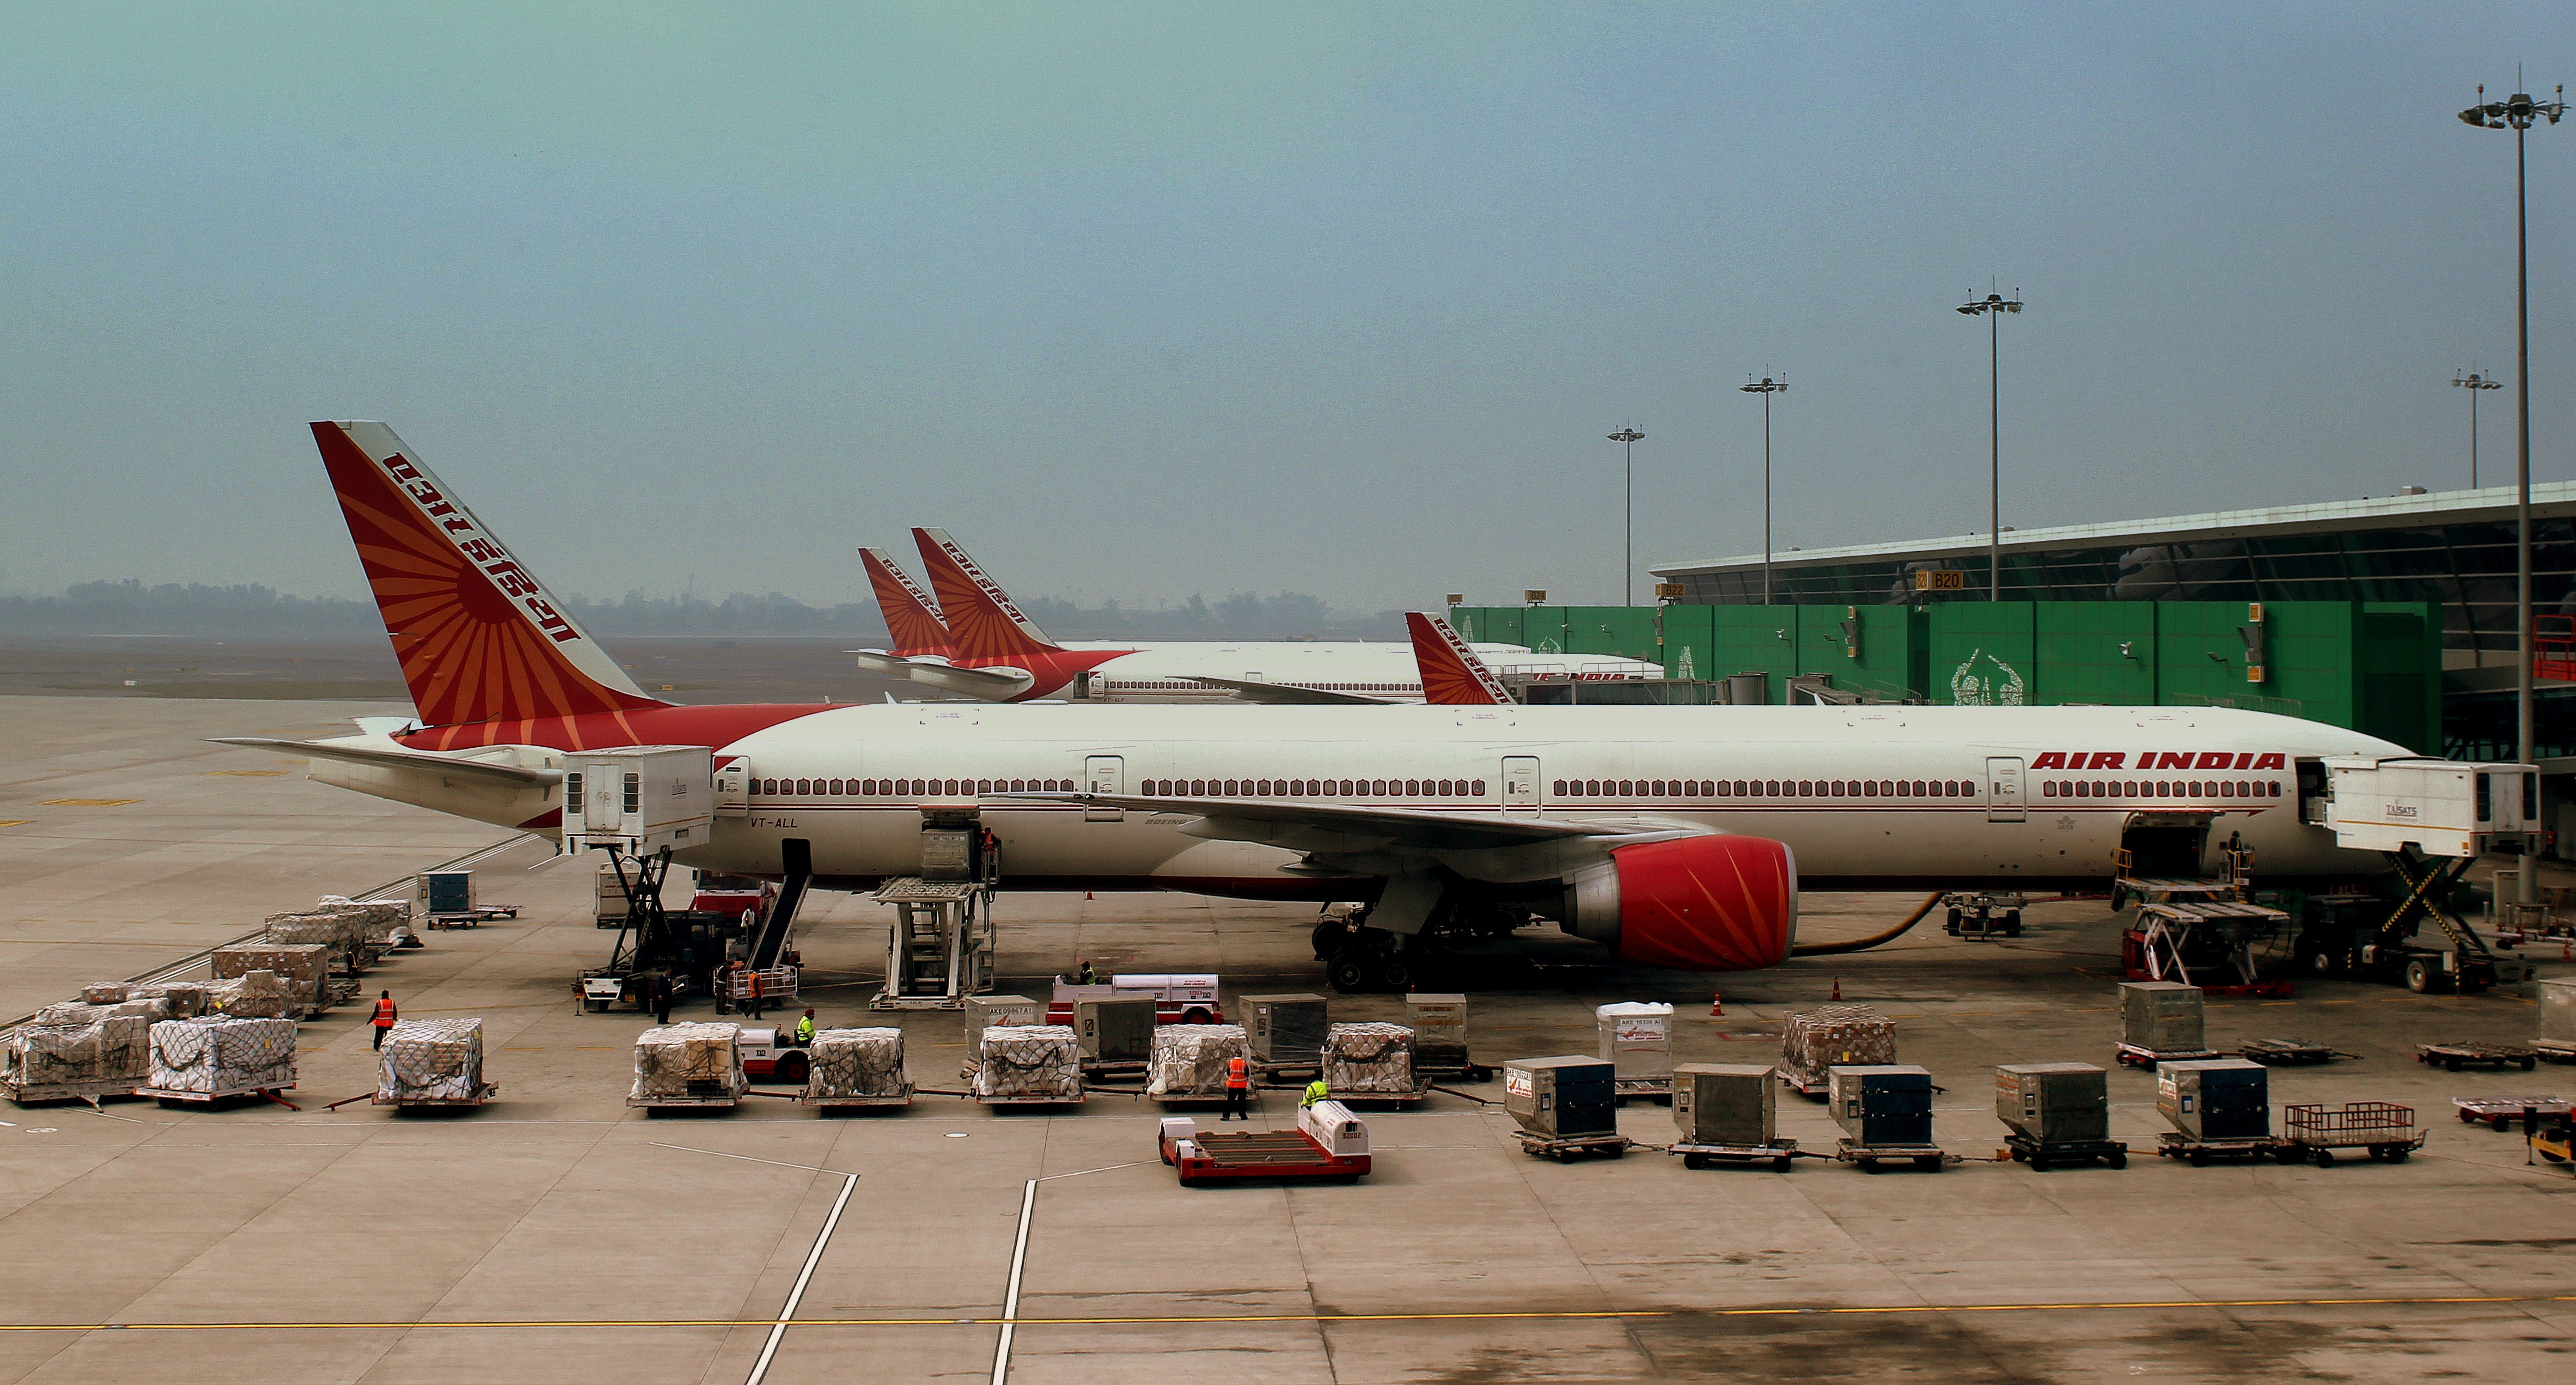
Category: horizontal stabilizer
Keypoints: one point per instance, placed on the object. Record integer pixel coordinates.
(991, 684)
(401, 759)
(1284, 694)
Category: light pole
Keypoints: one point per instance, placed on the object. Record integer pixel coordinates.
(1767, 388)
(1992, 307)
(2474, 382)
(2515, 113)
(1629, 437)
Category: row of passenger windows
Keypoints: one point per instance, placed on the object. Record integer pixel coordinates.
(2161, 788)
(903, 788)
(1765, 788)
(1314, 788)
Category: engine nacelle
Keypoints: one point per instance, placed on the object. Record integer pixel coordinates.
(1710, 903)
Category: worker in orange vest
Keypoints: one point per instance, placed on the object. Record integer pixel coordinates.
(752, 1002)
(1238, 1087)
(384, 1017)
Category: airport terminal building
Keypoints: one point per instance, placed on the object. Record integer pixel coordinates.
(2451, 550)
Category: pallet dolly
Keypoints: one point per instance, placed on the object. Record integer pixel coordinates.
(2130, 1055)
(2276, 1052)
(2451, 1057)
(1929, 1158)
(2043, 1156)
(1779, 1154)
(474, 917)
(2173, 1144)
(169, 1096)
(2499, 1112)
(1563, 1148)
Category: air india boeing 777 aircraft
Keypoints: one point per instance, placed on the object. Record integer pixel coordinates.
(1673, 836)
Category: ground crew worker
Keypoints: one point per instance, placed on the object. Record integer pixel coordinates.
(1316, 1091)
(1238, 1087)
(1083, 975)
(805, 1028)
(661, 988)
(384, 1017)
(752, 1003)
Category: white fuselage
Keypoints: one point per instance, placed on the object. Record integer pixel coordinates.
(1161, 674)
(1866, 797)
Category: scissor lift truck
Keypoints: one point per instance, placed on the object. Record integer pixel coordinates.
(2432, 820)
(939, 949)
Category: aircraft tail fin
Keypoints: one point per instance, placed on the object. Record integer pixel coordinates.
(911, 618)
(479, 638)
(1452, 675)
(984, 627)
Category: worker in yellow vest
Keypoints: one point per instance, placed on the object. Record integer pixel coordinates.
(1238, 1088)
(384, 1017)
(805, 1029)
(1316, 1091)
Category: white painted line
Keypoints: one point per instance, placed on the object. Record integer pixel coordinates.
(1019, 1261)
(813, 1256)
(692, 1149)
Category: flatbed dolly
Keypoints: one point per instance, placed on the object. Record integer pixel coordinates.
(2451, 1057)
(28, 1094)
(1779, 1154)
(2555, 1050)
(470, 918)
(2383, 1129)
(1657, 1089)
(2173, 1144)
(1929, 1158)
(2273, 1053)
(2132, 1056)
(837, 1103)
(656, 1105)
(1329, 1142)
(1814, 1089)
(1452, 1072)
(2499, 1112)
(1075, 1100)
(168, 1096)
(1564, 1148)
(2054, 1153)
(1399, 1099)
(481, 1095)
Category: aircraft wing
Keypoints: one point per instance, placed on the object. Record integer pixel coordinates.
(992, 684)
(1285, 694)
(401, 759)
(1281, 822)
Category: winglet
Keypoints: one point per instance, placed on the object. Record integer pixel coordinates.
(1452, 675)
(910, 616)
(983, 626)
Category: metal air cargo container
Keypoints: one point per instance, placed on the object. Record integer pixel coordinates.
(2161, 1016)
(1286, 1030)
(1725, 1104)
(1115, 1029)
(2216, 1099)
(2054, 1103)
(1559, 1097)
(1884, 1106)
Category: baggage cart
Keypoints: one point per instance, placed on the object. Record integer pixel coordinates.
(171, 1096)
(1565, 1148)
(2500, 1112)
(2173, 1144)
(2130, 1055)
(1929, 1158)
(1329, 1142)
(1779, 1154)
(2044, 1155)
(2315, 1131)
(2451, 1057)
(482, 1092)
(2273, 1053)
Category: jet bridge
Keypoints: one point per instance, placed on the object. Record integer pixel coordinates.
(2432, 819)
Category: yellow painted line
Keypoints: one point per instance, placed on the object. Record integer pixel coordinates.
(87, 802)
(19, 822)
(491, 1324)
(245, 773)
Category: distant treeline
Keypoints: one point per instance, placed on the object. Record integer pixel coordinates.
(131, 608)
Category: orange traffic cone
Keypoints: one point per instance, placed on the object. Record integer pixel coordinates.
(1716, 1003)
(1086, 896)
(1838, 988)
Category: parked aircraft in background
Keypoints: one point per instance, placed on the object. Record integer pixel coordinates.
(1675, 837)
(993, 651)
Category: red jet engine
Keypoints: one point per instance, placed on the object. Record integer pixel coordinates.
(1710, 903)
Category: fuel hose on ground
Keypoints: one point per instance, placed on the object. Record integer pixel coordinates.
(1873, 940)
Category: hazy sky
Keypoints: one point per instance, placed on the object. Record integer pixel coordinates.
(1146, 300)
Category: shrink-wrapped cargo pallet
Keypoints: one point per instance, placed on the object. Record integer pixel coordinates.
(689, 1062)
(211, 1055)
(1369, 1060)
(303, 968)
(107, 993)
(344, 935)
(180, 1000)
(77, 1012)
(1029, 1062)
(1189, 1059)
(1834, 1036)
(41, 1061)
(432, 1063)
(257, 995)
(856, 1065)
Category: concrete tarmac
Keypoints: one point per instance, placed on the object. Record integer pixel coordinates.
(556, 1234)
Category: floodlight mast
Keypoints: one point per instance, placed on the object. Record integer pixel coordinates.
(2516, 113)
(1991, 308)
(2474, 382)
(1766, 388)
(1629, 437)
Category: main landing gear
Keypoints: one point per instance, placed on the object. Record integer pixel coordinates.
(1359, 959)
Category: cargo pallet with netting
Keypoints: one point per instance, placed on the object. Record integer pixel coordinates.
(1565, 1148)
(1779, 1154)
(2451, 1057)
(2384, 1129)
(1930, 1158)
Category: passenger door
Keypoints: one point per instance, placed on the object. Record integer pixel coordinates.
(1520, 785)
(1104, 774)
(2004, 789)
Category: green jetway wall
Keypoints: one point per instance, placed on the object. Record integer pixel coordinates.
(2372, 666)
